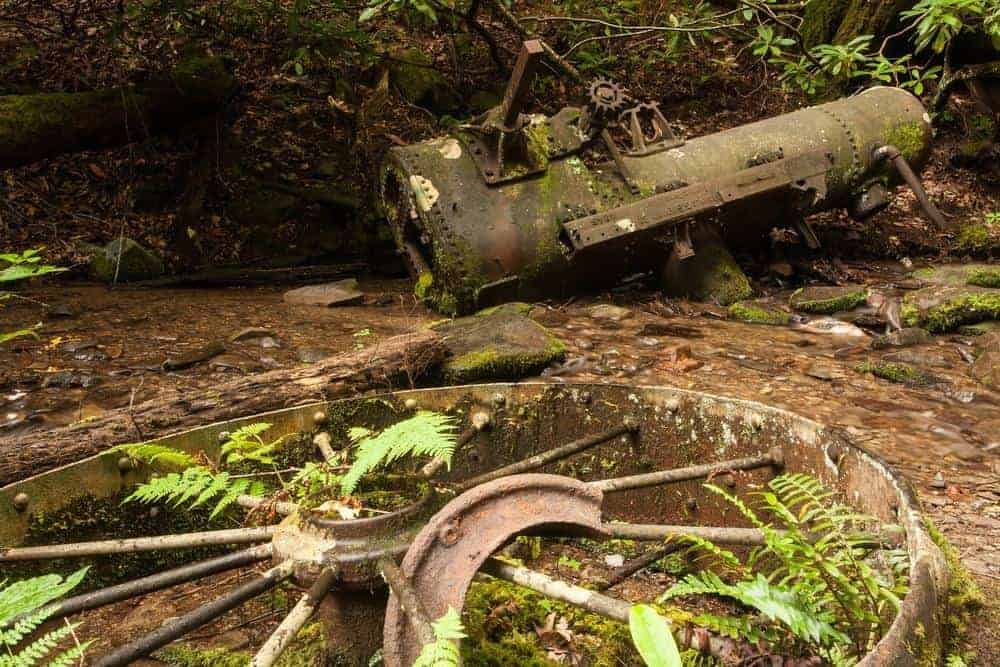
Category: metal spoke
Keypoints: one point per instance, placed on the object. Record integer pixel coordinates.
(178, 627)
(140, 544)
(411, 604)
(156, 582)
(293, 622)
(772, 458)
(626, 570)
(256, 503)
(649, 532)
(630, 425)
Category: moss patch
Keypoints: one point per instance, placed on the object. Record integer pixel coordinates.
(939, 309)
(308, 650)
(756, 312)
(988, 276)
(826, 300)
(895, 372)
(908, 138)
(977, 238)
(712, 275)
(964, 595)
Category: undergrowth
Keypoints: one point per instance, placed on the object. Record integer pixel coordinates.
(23, 610)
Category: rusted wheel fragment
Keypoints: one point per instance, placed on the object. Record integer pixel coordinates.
(451, 548)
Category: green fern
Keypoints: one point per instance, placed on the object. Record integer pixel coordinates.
(245, 444)
(152, 453)
(196, 486)
(424, 434)
(23, 610)
(443, 651)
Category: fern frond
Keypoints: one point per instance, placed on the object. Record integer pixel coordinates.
(443, 651)
(424, 434)
(26, 601)
(711, 549)
(23, 597)
(194, 487)
(246, 444)
(151, 453)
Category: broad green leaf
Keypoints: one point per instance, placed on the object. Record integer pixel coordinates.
(652, 637)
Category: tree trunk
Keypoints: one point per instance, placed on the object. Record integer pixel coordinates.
(33, 127)
(396, 361)
(840, 21)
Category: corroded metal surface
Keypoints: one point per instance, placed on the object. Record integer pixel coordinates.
(459, 539)
(485, 242)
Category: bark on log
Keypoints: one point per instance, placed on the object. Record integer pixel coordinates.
(397, 361)
(840, 21)
(33, 127)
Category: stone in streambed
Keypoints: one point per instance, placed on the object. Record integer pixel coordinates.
(944, 307)
(986, 368)
(123, 260)
(825, 300)
(340, 293)
(902, 338)
(976, 275)
(500, 343)
(758, 312)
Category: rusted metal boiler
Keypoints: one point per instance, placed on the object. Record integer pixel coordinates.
(525, 206)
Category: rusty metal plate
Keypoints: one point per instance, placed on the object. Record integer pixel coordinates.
(460, 538)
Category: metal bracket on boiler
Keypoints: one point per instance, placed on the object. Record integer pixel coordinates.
(804, 176)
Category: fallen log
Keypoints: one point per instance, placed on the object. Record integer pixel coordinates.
(33, 127)
(394, 362)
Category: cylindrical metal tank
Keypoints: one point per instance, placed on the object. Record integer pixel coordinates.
(472, 244)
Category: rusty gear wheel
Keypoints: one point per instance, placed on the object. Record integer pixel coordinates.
(605, 101)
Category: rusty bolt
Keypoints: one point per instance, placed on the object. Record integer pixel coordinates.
(410, 404)
(499, 399)
(449, 534)
(124, 464)
(154, 512)
(585, 397)
(319, 417)
(223, 436)
(481, 421)
(21, 501)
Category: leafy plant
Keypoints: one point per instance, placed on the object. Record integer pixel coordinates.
(939, 21)
(652, 637)
(152, 453)
(817, 584)
(245, 444)
(24, 265)
(196, 485)
(22, 611)
(424, 434)
(443, 651)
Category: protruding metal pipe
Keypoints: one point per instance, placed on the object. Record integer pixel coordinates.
(630, 425)
(895, 156)
(293, 622)
(178, 627)
(322, 442)
(140, 544)
(401, 588)
(626, 570)
(656, 532)
(156, 582)
(772, 458)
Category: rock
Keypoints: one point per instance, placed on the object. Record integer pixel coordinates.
(250, 333)
(979, 275)
(919, 358)
(944, 308)
(986, 369)
(678, 358)
(902, 338)
(665, 328)
(980, 328)
(311, 355)
(193, 357)
(938, 481)
(710, 275)
(608, 312)
(61, 310)
(123, 260)
(896, 372)
(500, 343)
(965, 452)
(831, 327)
(421, 83)
(340, 293)
(758, 312)
(822, 371)
(267, 342)
(826, 300)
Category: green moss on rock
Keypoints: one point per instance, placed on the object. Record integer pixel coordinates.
(712, 275)
(307, 650)
(939, 309)
(977, 238)
(909, 138)
(756, 312)
(965, 598)
(826, 300)
(988, 276)
(895, 372)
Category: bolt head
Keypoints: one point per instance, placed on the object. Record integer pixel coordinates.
(410, 404)
(481, 420)
(21, 501)
(499, 399)
(319, 417)
(125, 464)
(585, 397)
(449, 534)
(223, 436)
(154, 512)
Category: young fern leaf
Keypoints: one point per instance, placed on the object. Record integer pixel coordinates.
(195, 486)
(443, 651)
(245, 444)
(151, 453)
(424, 434)
(25, 600)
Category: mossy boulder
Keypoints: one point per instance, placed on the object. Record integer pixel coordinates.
(986, 368)
(978, 237)
(123, 260)
(977, 275)
(944, 308)
(895, 372)
(828, 299)
(758, 312)
(711, 275)
(500, 343)
(420, 82)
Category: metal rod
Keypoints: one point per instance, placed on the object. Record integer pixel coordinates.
(256, 503)
(480, 422)
(515, 97)
(894, 155)
(629, 425)
(401, 588)
(772, 458)
(293, 622)
(140, 544)
(649, 532)
(178, 627)
(626, 570)
(322, 442)
(156, 582)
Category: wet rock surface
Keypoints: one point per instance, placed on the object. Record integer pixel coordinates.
(122, 261)
(340, 293)
(827, 299)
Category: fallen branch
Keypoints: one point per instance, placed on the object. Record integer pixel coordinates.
(393, 362)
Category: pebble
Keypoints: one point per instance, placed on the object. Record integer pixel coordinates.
(606, 311)
(648, 341)
(938, 481)
(250, 333)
